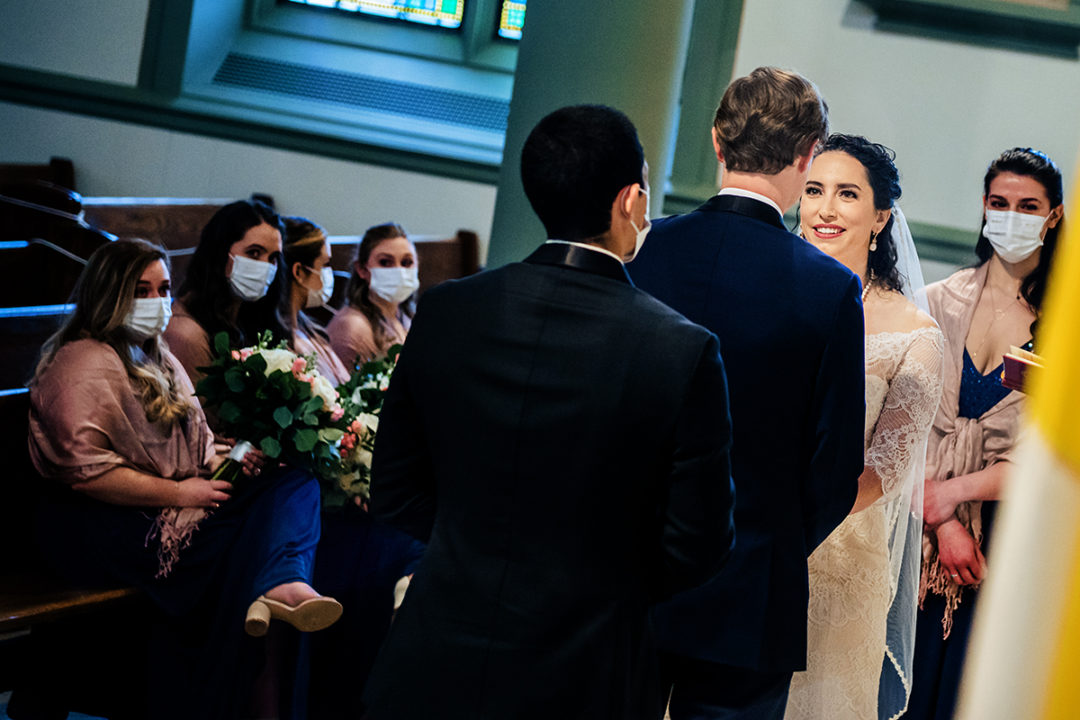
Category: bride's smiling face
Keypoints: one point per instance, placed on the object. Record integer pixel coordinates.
(837, 213)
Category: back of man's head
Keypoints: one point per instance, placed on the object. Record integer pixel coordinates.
(768, 119)
(574, 163)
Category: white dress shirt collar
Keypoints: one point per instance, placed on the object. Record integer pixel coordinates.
(587, 246)
(753, 196)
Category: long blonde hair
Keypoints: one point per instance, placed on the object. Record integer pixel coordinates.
(104, 295)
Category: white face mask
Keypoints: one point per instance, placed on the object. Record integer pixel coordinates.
(250, 279)
(1015, 236)
(318, 298)
(394, 284)
(640, 239)
(148, 317)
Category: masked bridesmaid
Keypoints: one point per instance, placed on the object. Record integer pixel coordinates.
(982, 310)
(381, 296)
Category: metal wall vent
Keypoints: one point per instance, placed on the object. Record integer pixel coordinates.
(363, 91)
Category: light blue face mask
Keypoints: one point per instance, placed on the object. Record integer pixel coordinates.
(149, 317)
(250, 279)
(318, 298)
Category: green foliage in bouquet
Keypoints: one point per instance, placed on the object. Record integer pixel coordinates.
(276, 400)
(361, 397)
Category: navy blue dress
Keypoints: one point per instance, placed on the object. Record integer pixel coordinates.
(359, 562)
(201, 663)
(939, 662)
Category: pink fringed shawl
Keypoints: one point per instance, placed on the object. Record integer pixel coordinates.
(958, 446)
(86, 419)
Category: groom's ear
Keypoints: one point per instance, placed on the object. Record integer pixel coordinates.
(803, 162)
(716, 146)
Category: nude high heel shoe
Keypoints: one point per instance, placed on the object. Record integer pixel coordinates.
(313, 614)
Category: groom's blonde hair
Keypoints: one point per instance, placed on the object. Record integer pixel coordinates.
(768, 119)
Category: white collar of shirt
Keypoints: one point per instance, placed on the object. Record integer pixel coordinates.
(587, 246)
(753, 196)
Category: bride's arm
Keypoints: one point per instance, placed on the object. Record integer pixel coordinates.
(904, 423)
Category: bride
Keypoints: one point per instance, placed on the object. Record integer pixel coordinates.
(864, 577)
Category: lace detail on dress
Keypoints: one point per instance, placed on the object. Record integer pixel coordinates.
(853, 574)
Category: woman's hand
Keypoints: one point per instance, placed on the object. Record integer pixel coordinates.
(253, 462)
(200, 492)
(959, 554)
(939, 502)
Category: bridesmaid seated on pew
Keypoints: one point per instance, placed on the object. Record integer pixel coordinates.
(380, 299)
(360, 561)
(114, 421)
(235, 284)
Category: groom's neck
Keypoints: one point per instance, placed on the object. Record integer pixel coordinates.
(783, 188)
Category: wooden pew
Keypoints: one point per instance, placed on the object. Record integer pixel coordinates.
(41, 256)
(47, 645)
(440, 259)
(58, 171)
(174, 223)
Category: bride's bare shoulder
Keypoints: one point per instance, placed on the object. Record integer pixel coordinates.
(890, 311)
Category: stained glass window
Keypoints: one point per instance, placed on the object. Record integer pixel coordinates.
(444, 13)
(511, 19)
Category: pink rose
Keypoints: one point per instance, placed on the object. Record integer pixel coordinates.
(246, 353)
(298, 366)
(337, 414)
(235, 354)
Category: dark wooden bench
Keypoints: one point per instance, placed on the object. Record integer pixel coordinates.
(44, 631)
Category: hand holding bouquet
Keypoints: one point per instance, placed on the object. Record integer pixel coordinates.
(276, 400)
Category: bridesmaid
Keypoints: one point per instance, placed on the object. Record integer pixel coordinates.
(311, 284)
(982, 310)
(234, 284)
(115, 423)
(360, 561)
(381, 296)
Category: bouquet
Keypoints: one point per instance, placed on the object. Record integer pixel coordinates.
(276, 400)
(361, 398)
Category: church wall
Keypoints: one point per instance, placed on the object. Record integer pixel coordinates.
(946, 108)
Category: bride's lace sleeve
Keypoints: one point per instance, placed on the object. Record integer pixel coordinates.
(902, 427)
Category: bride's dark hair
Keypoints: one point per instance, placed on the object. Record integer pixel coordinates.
(885, 184)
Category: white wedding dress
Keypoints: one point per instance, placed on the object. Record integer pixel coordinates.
(855, 573)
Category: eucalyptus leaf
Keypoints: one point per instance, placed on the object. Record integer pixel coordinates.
(221, 343)
(271, 447)
(305, 440)
(283, 417)
(234, 379)
(229, 412)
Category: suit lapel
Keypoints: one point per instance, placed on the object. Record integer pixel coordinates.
(579, 258)
(745, 206)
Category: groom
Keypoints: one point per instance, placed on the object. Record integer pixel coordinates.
(790, 322)
(560, 439)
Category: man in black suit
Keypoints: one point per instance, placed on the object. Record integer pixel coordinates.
(560, 439)
(790, 321)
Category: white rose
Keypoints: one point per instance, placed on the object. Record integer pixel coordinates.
(363, 457)
(370, 421)
(277, 359)
(324, 389)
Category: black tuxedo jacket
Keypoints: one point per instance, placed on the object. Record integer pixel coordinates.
(560, 439)
(790, 323)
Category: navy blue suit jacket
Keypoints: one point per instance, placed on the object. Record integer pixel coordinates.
(561, 440)
(790, 324)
